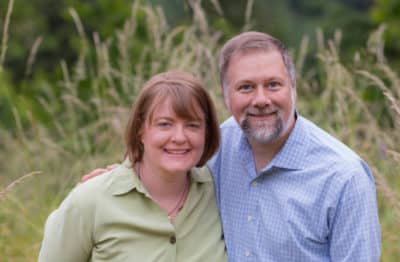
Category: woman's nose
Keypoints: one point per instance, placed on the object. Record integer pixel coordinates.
(179, 134)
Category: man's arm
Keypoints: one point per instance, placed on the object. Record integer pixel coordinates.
(355, 229)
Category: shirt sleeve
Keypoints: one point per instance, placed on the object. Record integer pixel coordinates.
(67, 234)
(355, 231)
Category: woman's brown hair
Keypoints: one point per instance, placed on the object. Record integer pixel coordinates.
(184, 91)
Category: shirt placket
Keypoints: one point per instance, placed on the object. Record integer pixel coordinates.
(250, 222)
(249, 218)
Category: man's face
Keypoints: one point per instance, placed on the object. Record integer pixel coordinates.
(259, 95)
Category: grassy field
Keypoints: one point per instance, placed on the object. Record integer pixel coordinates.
(40, 161)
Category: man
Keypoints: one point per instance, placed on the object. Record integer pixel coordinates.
(286, 190)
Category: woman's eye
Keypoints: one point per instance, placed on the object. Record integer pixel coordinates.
(194, 125)
(163, 124)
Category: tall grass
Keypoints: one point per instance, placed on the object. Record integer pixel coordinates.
(359, 103)
(88, 109)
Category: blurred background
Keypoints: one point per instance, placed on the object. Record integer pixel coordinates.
(70, 69)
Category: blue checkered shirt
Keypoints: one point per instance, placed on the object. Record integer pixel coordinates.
(315, 201)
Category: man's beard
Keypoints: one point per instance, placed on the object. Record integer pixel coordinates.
(263, 131)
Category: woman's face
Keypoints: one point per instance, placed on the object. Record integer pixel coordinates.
(172, 144)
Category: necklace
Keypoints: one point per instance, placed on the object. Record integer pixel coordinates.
(179, 204)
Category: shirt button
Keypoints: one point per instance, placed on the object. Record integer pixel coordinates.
(254, 183)
(172, 240)
(249, 218)
(248, 253)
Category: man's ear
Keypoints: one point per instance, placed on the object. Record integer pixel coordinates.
(294, 94)
(225, 96)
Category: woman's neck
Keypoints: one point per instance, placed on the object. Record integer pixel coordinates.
(168, 190)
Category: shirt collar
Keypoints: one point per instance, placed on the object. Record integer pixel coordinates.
(125, 179)
(293, 153)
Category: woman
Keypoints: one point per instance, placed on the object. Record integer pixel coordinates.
(155, 206)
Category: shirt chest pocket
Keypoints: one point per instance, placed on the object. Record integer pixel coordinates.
(292, 223)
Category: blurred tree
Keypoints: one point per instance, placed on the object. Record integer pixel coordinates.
(52, 21)
(48, 26)
(349, 16)
(30, 20)
(388, 12)
(29, 70)
(288, 20)
(359, 4)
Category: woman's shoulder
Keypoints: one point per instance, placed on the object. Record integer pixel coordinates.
(102, 185)
(201, 174)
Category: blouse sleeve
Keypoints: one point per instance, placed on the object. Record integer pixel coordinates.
(68, 232)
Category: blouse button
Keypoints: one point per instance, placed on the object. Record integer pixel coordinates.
(172, 240)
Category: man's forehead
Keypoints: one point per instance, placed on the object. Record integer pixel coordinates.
(253, 51)
(254, 57)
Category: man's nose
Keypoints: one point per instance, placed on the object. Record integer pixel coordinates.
(261, 97)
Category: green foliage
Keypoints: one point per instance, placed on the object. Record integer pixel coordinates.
(54, 32)
(290, 20)
(388, 12)
(7, 97)
(52, 21)
(67, 123)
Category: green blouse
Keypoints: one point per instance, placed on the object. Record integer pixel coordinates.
(112, 218)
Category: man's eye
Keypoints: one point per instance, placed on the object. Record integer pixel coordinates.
(274, 84)
(245, 88)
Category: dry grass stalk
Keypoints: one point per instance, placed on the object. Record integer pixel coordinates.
(5, 33)
(248, 13)
(302, 54)
(199, 16)
(80, 64)
(395, 105)
(5, 191)
(395, 155)
(387, 191)
(376, 44)
(32, 55)
(217, 7)
(78, 23)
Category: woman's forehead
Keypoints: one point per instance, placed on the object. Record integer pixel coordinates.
(169, 107)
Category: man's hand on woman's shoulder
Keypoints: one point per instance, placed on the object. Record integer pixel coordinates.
(97, 172)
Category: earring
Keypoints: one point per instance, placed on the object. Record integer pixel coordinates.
(141, 147)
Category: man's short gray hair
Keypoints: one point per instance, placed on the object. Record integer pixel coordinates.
(254, 41)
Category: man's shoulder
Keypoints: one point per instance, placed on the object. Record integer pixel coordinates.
(229, 123)
(326, 148)
(230, 128)
(319, 138)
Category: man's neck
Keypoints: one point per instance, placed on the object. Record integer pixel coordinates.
(264, 153)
